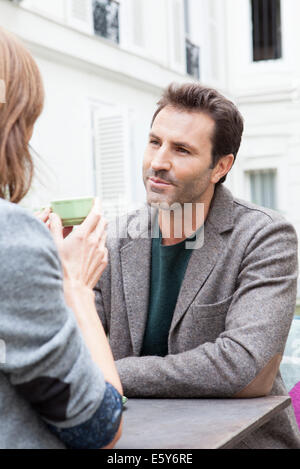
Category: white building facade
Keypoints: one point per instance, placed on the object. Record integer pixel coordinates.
(105, 63)
(263, 77)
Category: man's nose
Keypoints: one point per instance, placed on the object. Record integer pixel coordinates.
(161, 160)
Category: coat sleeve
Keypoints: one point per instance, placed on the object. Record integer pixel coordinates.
(100, 307)
(244, 359)
(103, 302)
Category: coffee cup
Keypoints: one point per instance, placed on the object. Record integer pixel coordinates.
(72, 211)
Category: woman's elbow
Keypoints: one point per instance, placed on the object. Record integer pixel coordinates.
(116, 437)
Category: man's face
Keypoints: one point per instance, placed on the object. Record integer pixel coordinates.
(178, 157)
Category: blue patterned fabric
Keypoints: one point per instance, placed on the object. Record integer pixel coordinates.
(100, 429)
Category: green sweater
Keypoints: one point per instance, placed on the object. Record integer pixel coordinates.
(168, 266)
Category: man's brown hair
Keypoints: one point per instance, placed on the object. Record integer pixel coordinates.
(229, 124)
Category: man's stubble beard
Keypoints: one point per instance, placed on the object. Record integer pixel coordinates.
(190, 193)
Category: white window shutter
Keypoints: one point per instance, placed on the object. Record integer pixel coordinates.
(111, 144)
(177, 35)
(80, 15)
(138, 23)
(133, 25)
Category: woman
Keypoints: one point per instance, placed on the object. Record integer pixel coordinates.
(58, 385)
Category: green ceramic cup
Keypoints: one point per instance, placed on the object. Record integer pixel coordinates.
(72, 211)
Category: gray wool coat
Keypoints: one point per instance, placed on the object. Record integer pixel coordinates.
(232, 316)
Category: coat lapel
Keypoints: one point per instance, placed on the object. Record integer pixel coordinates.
(201, 264)
(203, 260)
(136, 272)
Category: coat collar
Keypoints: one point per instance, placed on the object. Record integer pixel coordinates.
(221, 210)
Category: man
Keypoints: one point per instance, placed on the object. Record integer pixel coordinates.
(211, 321)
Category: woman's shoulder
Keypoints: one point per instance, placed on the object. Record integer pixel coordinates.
(21, 231)
(20, 221)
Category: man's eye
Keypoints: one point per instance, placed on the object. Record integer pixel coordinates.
(154, 142)
(183, 150)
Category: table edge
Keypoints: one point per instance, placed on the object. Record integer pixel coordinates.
(229, 444)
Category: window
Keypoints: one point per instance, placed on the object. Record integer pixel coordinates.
(266, 21)
(106, 19)
(176, 27)
(192, 51)
(137, 24)
(263, 187)
(79, 15)
(192, 59)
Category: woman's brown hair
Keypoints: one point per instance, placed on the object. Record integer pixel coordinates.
(23, 103)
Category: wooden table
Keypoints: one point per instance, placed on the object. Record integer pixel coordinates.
(195, 423)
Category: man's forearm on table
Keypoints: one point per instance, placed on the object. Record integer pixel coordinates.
(190, 374)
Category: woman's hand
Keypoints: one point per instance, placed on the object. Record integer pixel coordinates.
(44, 215)
(83, 253)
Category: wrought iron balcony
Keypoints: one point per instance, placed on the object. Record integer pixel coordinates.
(192, 59)
(106, 19)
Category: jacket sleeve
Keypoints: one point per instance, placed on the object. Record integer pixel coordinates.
(104, 284)
(244, 359)
(100, 307)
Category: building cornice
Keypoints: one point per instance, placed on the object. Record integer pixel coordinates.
(284, 93)
(63, 44)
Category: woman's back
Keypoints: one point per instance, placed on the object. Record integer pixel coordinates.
(59, 385)
(20, 426)
(48, 375)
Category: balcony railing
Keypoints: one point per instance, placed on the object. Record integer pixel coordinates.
(106, 19)
(192, 59)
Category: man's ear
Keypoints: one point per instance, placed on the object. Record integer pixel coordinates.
(223, 166)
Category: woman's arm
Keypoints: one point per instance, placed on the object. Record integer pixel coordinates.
(82, 301)
(84, 258)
